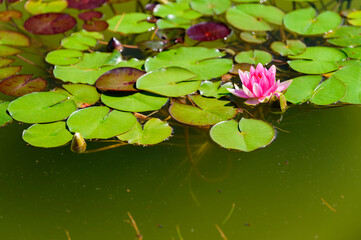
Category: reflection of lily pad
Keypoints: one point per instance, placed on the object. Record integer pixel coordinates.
(154, 131)
(305, 22)
(83, 95)
(171, 82)
(292, 47)
(345, 36)
(204, 62)
(247, 135)
(253, 57)
(254, 17)
(22, 84)
(47, 135)
(210, 7)
(209, 111)
(129, 23)
(41, 107)
(4, 116)
(317, 60)
(215, 89)
(138, 102)
(100, 122)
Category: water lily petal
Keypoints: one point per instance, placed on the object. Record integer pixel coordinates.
(272, 75)
(283, 85)
(244, 77)
(252, 101)
(239, 93)
(271, 90)
(257, 90)
(247, 91)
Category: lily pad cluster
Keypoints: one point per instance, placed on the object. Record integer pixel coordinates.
(132, 76)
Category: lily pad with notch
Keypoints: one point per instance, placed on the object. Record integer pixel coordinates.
(129, 23)
(210, 7)
(254, 57)
(254, 37)
(83, 95)
(176, 9)
(291, 47)
(119, 79)
(22, 84)
(64, 57)
(100, 122)
(208, 111)
(247, 135)
(214, 89)
(44, 6)
(345, 36)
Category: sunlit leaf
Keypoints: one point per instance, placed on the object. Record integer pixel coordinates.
(254, 37)
(64, 57)
(292, 47)
(210, 7)
(9, 71)
(13, 38)
(345, 36)
(8, 51)
(128, 23)
(215, 89)
(44, 6)
(254, 57)
(83, 95)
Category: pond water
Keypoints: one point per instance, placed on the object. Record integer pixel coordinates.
(304, 185)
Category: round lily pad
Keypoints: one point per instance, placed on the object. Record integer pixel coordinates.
(138, 102)
(22, 84)
(203, 62)
(154, 131)
(49, 23)
(100, 122)
(83, 95)
(208, 31)
(247, 135)
(90, 15)
(41, 107)
(254, 57)
(9, 71)
(317, 60)
(353, 53)
(78, 41)
(170, 82)
(302, 88)
(119, 79)
(254, 37)
(305, 22)
(291, 47)
(36, 7)
(13, 39)
(129, 23)
(64, 57)
(4, 116)
(85, 4)
(96, 25)
(329, 91)
(8, 51)
(345, 36)
(209, 111)
(214, 89)
(47, 135)
(254, 17)
(210, 7)
(178, 10)
(354, 18)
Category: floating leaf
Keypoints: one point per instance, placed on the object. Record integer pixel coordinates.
(253, 57)
(208, 31)
(154, 131)
(79, 41)
(176, 9)
(354, 18)
(330, 91)
(41, 107)
(204, 62)
(353, 53)
(317, 60)
(171, 82)
(129, 23)
(173, 22)
(8, 51)
(5, 62)
(214, 89)
(95, 26)
(100, 122)
(210, 7)
(305, 22)
(292, 47)
(90, 15)
(85, 4)
(64, 57)
(47, 135)
(44, 6)
(247, 135)
(138, 102)
(13, 38)
(119, 79)
(49, 23)
(6, 16)
(254, 37)
(9, 71)
(209, 111)
(82, 95)
(345, 36)
(4, 117)
(22, 84)
(254, 17)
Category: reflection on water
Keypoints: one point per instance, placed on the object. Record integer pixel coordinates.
(303, 186)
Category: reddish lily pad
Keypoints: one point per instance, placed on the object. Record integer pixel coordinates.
(49, 23)
(9, 71)
(85, 4)
(22, 84)
(13, 38)
(119, 79)
(95, 26)
(88, 16)
(208, 31)
(5, 16)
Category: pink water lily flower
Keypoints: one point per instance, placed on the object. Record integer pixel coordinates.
(259, 85)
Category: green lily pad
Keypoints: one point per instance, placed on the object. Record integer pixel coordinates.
(247, 135)
(37, 7)
(215, 89)
(138, 102)
(210, 7)
(41, 107)
(64, 57)
(317, 60)
(13, 39)
(78, 41)
(129, 23)
(22, 84)
(203, 62)
(177, 9)
(47, 135)
(170, 82)
(83, 95)
(4, 116)
(100, 122)
(119, 79)
(254, 37)
(345, 36)
(330, 91)
(154, 131)
(173, 22)
(305, 22)
(8, 51)
(354, 18)
(209, 111)
(254, 17)
(254, 57)
(9, 71)
(291, 47)
(353, 53)
(5, 62)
